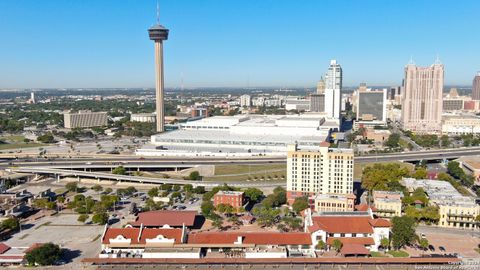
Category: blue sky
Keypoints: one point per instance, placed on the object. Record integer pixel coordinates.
(284, 43)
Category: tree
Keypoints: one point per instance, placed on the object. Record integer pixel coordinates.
(72, 186)
(403, 231)
(420, 173)
(195, 175)
(218, 222)
(207, 208)
(393, 140)
(153, 192)
(254, 194)
(46, 254)
(82, 218)
(444, 141)
(266, 216)
(46, 138)
(108, 190)
(10, 224)
(383, 176)
(97, 188)
(100, 218)
(384, 243)
(321, 245)
(300, 204)
(293, 223)
(199, 190)
(423, 242)
(187, 188)
(120, 170)
(337, 245)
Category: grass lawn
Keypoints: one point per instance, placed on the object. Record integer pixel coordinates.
(16, 141)
(398, 253)
(19, 145)
(253, 173)
(377, 254)
(245, 169)
(358, 168)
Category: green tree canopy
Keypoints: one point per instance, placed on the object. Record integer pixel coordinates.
(254, 194)
(300, 204)
(403, 231)
(46, 254)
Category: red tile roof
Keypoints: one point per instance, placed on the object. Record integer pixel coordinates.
(164, 217)
(354, 249)
(257, 238)
(352, 240)
(363, 207)
(3, 248)
(380, 222)
(150, 233)
(343, 224)
(128, 233)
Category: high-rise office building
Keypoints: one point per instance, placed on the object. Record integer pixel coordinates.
(317, 102)
(333, 88)
(371, 105)
(85, 119)
(422, 98)
(158, 34)
(245, 101)
(326, 171)
(476, 87)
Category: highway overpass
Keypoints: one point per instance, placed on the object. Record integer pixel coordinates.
(138, 179)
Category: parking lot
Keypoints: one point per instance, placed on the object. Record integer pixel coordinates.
(85, 242)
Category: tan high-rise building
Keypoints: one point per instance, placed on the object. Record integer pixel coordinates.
(422, 98)
(325, 171)
(476, 87)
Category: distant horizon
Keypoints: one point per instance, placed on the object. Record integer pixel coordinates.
(237, 43)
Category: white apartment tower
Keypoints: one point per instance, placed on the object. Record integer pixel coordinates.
(333, 88)
(245, 101)
(326, 171)
(422, 98)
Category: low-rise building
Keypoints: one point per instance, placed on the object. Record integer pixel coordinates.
(377, 135)
(471, 165)
(387, 204)
(356, 230)
(144, 117)
(333, 202)
(236, 199)
(460, 124)
(165, 218)
(455, 209)
(253, 244)
(146, 243)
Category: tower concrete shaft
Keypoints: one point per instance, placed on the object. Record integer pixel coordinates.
(158, 34)
(159, 84)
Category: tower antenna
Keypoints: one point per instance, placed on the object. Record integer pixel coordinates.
(158, 11)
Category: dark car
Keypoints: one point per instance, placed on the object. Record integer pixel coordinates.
(431, 248)
(442, 249)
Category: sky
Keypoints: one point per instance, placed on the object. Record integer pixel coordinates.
(233, 43)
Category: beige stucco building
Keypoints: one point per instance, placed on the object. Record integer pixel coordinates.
(422, 98)
(326, 171)
(387, 203)
(333, 202)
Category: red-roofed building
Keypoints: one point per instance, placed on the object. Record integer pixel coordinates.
(350, 228)
(235, 199)
(165, 218)
(255, 244)
(145, 242)
(14, 255)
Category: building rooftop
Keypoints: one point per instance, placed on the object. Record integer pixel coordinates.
(227, 192)
(164, 217)
(256, 238)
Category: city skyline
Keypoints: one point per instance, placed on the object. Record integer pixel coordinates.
(232, 44)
